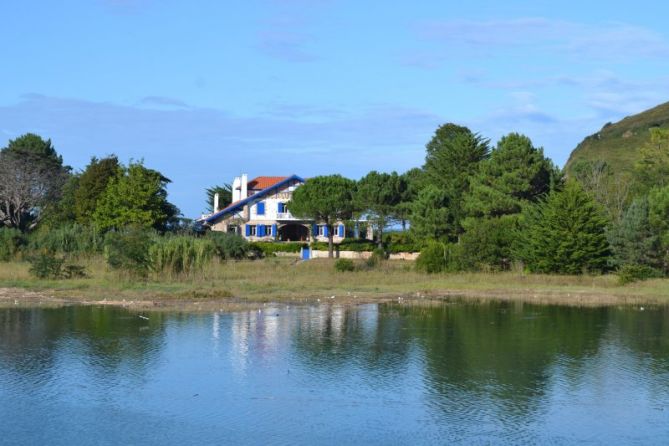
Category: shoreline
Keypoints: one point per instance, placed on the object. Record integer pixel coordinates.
(15, 297)
(248, 285)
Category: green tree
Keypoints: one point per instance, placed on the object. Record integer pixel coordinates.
(91, 186)
(488, 242)
(564, 234)
(516, 173)
(326, 199)
(453, 157)
(653, 167)
(135, 196)
(224, 197)
(658, 217)
(430, 217)
(633, 240)
(32, 176)
(410, 184)
(377, 195)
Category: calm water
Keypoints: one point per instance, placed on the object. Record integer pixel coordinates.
(391, 374)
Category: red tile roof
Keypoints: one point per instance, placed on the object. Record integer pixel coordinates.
(260, 183)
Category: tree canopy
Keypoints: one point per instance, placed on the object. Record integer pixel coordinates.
(564, 234)
(135, 196)
(32, 176)
(91, 186)
(516, 173)
(326, 199)
(377, 195)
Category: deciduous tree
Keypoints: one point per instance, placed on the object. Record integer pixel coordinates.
(135, 196)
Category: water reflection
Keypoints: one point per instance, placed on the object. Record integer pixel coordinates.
(487, 373)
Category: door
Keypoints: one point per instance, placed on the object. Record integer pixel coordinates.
(306, 253)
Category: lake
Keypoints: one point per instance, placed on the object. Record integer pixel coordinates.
(442, 373)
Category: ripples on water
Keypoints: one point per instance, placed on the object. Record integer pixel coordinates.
(392, 374)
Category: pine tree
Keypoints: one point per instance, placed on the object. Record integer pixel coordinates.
(516, 173)
(564, 234)
(633, 240)
(453, 157)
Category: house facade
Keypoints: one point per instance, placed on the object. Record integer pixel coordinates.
(259, 212)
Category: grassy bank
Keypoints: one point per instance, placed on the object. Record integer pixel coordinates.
(245, 284)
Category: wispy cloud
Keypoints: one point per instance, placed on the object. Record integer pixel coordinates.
(604, 41)
(284, 44)
(162, 101)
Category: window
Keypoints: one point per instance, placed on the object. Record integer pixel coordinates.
(260, 208)
(250, 230)
(268, 230)
(281, 208)
(322, 230)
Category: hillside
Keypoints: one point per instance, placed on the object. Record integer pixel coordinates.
(618, 144)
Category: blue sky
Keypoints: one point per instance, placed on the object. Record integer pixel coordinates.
(204, 90)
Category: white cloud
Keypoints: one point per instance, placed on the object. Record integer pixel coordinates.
(613, 41)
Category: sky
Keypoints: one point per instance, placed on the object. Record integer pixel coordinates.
(206, 90)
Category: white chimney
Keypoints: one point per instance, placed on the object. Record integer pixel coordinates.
(245, 185)
(216, 197)
(236, 189)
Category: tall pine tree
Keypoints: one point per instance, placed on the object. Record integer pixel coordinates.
(564, 234)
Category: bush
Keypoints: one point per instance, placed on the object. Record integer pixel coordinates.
(48, 266)
(344, 265)
(432, 258)
(11, 240)
(67, 239)
(128, 251)
(180, 254)
(229, 246)
(270, 248)
(633, 273)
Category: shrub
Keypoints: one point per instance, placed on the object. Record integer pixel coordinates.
(181, 254)
(128, 251)
(67, 239)
(271, 248)
(229, 246)
(344, 265)
(11, 240)
(432, 258)
(633, 273)
(378, 255)
(48, 266)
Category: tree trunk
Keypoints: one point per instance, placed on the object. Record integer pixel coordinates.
(330, 242)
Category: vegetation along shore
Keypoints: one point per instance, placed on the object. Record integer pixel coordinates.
(489, 221)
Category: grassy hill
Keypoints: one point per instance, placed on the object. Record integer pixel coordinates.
(618, 144)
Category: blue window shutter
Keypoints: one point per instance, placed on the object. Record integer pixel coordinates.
(261, 230)
(274, 230)
(260, 208)
(341, 230)
(314, 229)
(248, 230)
(280, 207)
(325, 230)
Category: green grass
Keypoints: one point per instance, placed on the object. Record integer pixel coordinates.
(618, 144)
(281, 279)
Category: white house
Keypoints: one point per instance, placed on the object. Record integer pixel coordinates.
(258, 212)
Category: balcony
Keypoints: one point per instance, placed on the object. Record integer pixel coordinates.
(286, 216)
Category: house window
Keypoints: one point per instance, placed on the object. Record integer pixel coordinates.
(260, 208)
(281, 208)
(322, 230)
(250, 230)
(268, 230)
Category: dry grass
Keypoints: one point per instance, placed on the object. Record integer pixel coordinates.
(285, 280)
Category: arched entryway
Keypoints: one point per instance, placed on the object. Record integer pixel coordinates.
(293, 232)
